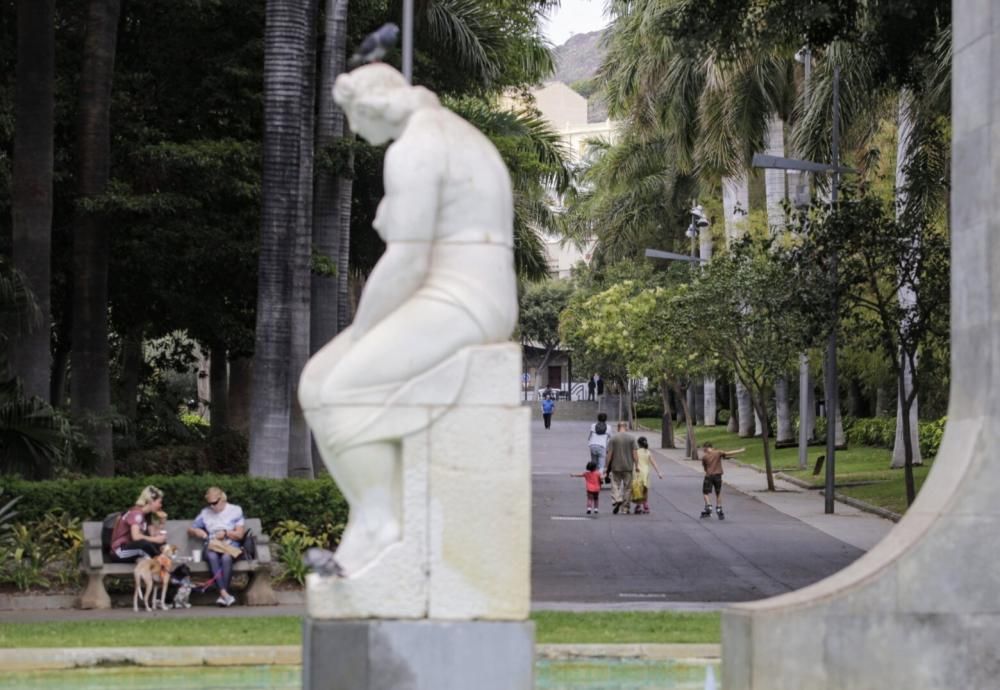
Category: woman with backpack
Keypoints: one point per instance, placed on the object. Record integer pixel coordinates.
(130, 536)
(598, 441)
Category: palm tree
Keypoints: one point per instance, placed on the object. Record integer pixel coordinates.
(332, 194)
(91, 386)
(30, 352)
(286, 59)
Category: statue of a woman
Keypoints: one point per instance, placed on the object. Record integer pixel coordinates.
(445, 282)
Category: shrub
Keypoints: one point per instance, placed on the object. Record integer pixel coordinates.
(649, 406)
(292, 538)
(226, 453)
(314, 502)
(722, 416)
(930, 434)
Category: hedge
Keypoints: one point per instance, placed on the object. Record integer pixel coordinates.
(313, 502)
(880, 432)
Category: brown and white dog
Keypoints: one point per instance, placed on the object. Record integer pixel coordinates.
(144, 572)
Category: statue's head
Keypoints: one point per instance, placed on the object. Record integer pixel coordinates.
(378, 101)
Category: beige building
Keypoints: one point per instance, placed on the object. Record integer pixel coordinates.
(566, 111)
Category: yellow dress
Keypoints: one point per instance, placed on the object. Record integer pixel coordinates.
(640, 477)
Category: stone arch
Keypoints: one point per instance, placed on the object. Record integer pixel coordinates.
(921, 609)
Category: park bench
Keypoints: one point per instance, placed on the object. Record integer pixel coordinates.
(96, 565)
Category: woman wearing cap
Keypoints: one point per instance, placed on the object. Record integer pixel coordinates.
(223, 521)
(130, 538)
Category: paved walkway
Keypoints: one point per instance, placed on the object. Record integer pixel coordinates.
(770, 543)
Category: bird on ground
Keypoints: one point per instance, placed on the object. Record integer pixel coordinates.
(321, 561)
(376, 45)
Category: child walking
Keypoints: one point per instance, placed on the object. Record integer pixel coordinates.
(592, 478)
(640, 478)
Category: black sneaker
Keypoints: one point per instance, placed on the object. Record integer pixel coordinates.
(718, 511)
(707, 512)
(615, 509)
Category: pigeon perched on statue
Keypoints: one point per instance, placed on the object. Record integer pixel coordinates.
(322, 562)
(376, 45)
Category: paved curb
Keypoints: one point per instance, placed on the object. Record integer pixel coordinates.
(38, 602)
(849, 500)
(51, 659)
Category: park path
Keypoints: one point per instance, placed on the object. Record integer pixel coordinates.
(770, 543)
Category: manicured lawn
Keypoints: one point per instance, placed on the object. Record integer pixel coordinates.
(619, 627)
(551, 627)
(881, 486)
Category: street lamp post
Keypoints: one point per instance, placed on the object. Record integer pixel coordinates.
(408, 41)
(698, 220)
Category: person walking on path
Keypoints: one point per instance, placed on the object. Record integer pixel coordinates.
(640, 479)
(592, 478)
(598, 439)
(591, 387)
(621, 459)
(548, 405)
(711, 461)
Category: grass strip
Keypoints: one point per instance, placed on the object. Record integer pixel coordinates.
(552, 627)
(881, 486)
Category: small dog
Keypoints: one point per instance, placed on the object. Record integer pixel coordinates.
(144, 572)
(182, 578)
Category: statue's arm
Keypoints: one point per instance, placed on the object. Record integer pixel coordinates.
(406, 220)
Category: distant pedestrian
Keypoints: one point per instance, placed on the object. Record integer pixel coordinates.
(598, 440)
(548, 406)
(591, 387)
(592, 479)
(621, 460)
(711, 461)
(640, 478)
(599, 383)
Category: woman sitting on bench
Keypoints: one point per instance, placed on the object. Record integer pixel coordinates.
(130, 538)
(220, 521)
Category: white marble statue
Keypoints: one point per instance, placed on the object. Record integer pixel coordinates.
(445, 282)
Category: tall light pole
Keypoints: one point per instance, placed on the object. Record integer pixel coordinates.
(698, 220)
(408, 41)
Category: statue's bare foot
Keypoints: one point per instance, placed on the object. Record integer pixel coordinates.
(361, 546)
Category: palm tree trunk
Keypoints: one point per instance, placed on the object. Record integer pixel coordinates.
(218, 377)
(709, 409)
(238, 408)
(906, 296)
(776, 191)
(733, 426)
(783, 409)
(332, 221)
(300, 461)
(285, 61)
(132, 360)
(31, 191)
(91, 385)
(327, 217)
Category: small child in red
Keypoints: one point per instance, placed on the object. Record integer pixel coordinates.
(592, 478)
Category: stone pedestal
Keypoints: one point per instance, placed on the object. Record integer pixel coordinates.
(465, 551)
(921, 609)
(418, 655)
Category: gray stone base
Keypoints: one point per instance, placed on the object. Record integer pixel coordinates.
(417, 655)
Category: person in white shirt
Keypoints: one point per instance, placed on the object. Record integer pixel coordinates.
(223, 521)
(598, 440)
